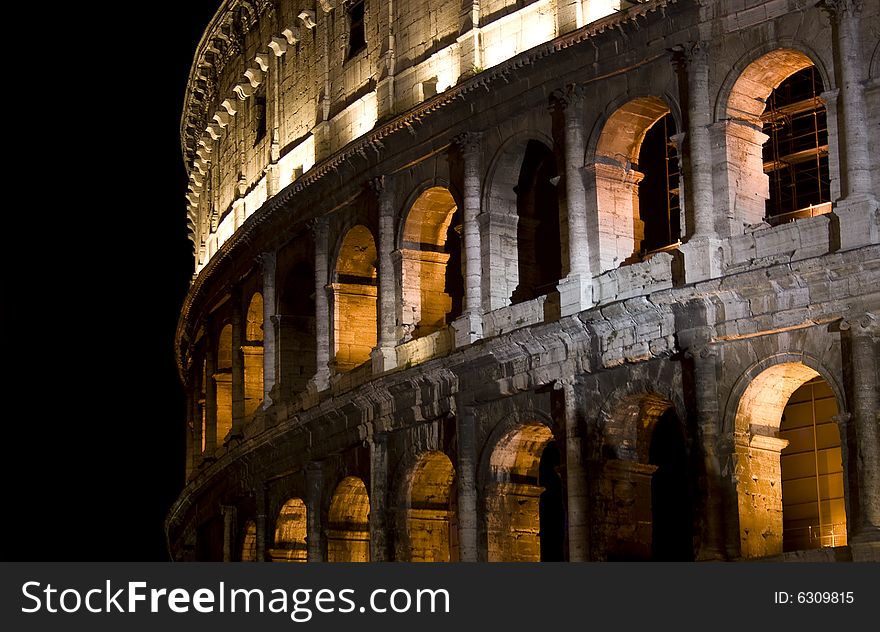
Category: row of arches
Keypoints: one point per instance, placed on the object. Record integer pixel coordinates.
(776, 168)
(790, 485)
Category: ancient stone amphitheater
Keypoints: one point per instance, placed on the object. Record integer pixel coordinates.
(525, 280)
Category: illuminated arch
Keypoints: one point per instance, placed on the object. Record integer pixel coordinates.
(223, 380)
(348, 536)
(430, 511)
(252, 350)
(354, 299)
(290, 533)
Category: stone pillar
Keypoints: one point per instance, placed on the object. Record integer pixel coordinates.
(378, 498)
(261, 523)
(829, 100)
(210, 402)
(469, 326)
(270, 346)
(467, 486)
(199, 401)
(315, 538)
(238, 338)
(702, 250)
(575, 478)
(321, 381)
(470, 47)
(228, 513)
(384, 356)
(576, 289)
(385, 98)
(569, 15)
(711, 529)
(864, 405)
(274, 118)
(858, 209)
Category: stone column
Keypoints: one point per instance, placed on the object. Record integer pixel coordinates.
(575, 478)
(321, 381)
(315, 538)
(569, 15)
(198, 412)
(378, 498)
(385, 98)
(384, 357)
(261, 523)
(702, 250)
(576, 289)
(469, 326)
(238, 338)
(210, 402)
(467, 486)
(862, 333)
(829, 100)
(858, 209)
(711, 535)
(270, 345)
(469, 37)
(228, 513)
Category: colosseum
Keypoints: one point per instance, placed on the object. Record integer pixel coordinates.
(532, 280)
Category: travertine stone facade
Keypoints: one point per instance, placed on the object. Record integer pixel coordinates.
(423, 324)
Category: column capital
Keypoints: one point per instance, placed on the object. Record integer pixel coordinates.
(836, 8)
(380, 185)
(702, 352)
(867, 324)
(318, 225)
(570, 97)
(266, 259)
(469, 143)
(689, 53)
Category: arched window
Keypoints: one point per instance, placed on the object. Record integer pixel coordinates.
(430, 256)
(430, 511)
(252, 350)
(296, 327)
(348, 536)
(637, 183)
(290, 533)
(790, 490)
(223, 381)
(524, 505)
(354, 299)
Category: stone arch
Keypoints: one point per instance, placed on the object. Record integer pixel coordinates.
(632, 220)
(512, 217)
(644, 488)
(759, 400)
(430, 260)
(223, 383)
(354, 299)
(741, 136)
(249, 542)
(252, 351)
(348, 534)
(428, 510)
(523, 524)
(289, 544)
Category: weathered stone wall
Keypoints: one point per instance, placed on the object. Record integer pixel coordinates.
(589, 366)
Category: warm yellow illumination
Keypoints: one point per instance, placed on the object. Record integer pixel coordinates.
(290, 533)
(430, 520)
(249, 545)
(354, 299)
(348, 536)
(596, 9)
(252, 350)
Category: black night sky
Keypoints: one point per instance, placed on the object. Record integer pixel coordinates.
(96, 264)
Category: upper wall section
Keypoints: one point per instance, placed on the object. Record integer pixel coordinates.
(276, 87)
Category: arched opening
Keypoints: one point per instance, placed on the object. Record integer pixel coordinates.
(348, 536)
(514, 506)
(249, 543)
(776, 138)
(296, 328)
(637, 183)
(671, 511)
(648, 509)
(354, 299)
(537, 233)
(252, 350)
(813, 505)
(551, 506)
(223, 382)
(430, 256)
(430, 512)
(790, 492)
(203, 408)
(796, 152)
(290, 533)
